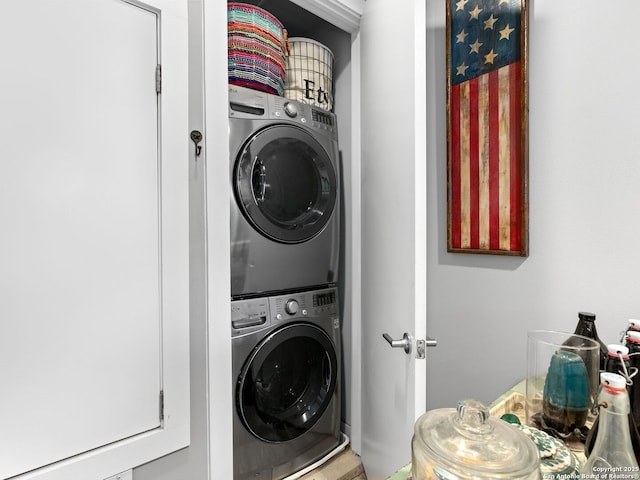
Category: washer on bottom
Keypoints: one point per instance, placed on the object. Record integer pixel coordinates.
(286, 363)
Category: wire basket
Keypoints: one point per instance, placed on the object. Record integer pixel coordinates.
(309, 73)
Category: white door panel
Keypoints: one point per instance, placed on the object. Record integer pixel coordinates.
(79, 207)
(393, 229)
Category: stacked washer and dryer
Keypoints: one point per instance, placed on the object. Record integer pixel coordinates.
(285, 241)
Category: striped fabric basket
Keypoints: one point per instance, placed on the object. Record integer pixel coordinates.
(258, 48)
(310, 73)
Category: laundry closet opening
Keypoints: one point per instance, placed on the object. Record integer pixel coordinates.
(254, 179)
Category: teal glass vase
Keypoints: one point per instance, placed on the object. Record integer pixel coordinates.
(566, 397)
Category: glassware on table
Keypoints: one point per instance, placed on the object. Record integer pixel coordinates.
(612, 455)
(466, 443)
(561, 383)
(632, 342)
(587, 328)
(633, 325)
(617, 362)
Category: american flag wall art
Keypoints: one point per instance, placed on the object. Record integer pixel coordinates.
(487, 150)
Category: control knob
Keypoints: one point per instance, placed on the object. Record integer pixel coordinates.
(291, 109)
(291, 307)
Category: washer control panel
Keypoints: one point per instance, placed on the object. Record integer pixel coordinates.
(255, 314)
(304, 304)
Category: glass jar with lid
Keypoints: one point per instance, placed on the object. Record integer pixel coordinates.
(466, 443)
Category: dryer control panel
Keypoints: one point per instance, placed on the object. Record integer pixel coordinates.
(254, 104)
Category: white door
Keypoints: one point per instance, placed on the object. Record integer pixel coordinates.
(393, 130)
(80, 274)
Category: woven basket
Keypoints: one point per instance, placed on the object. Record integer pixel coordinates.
(310, 73)
(257, 43)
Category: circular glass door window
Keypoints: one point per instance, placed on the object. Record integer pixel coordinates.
(285, 184)
(287, 382)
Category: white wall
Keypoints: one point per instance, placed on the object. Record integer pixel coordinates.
(584, 200)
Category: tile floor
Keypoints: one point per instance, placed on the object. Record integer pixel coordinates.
(344, 466)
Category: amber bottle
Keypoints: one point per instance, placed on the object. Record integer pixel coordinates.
(632, 342)
(587, 328)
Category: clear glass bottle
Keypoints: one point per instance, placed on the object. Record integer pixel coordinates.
(617, 362)
(612, 453)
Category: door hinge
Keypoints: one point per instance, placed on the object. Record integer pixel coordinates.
(158, 78)
(161, 405)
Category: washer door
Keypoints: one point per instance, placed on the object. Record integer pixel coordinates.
(285, 184)
(287, 382)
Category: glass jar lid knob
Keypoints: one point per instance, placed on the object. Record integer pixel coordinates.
(473, 416)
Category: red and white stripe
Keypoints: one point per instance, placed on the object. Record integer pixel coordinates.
(486, 204)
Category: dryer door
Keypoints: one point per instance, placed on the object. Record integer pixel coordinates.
(285, 183)
(287, 382)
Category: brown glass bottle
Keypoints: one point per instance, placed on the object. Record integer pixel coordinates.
(615, 364)
(634, 325)
(587, 328)
(632, 342)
